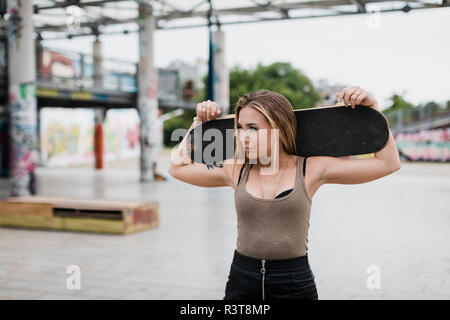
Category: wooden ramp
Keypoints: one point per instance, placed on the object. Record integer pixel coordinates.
(105, 216)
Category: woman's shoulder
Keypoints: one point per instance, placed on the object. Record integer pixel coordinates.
(233, 170)
(315, 161)
(316, 167)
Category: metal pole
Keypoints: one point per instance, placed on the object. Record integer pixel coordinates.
(211, 57)
(98, 63)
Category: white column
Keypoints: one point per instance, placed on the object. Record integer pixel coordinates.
(22, 96)
(221, 83)
(147, 94)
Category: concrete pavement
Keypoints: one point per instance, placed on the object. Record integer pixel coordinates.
(398, 224)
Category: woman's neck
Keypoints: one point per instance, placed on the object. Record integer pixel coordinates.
(283, 159)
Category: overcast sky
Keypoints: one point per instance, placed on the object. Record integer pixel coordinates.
(408, 54)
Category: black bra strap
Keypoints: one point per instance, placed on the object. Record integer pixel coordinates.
(304, 165)
(240, 173)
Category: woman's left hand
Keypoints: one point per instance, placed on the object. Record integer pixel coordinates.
(357, 96)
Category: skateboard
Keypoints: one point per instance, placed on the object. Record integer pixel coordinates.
(334, 131)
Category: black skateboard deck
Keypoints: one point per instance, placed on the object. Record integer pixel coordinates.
(322, 131)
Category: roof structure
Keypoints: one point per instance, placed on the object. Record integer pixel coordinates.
(71, 18)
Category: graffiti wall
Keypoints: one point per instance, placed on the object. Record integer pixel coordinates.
(121, 131)
(428, 145)
(4, 142)
(22, 99)
(67, 136)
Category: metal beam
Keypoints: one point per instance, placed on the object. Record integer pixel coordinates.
(360, 4)
(334, 14)
(284, 10)
(78, 3)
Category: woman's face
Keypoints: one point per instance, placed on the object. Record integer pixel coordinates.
(255, 133)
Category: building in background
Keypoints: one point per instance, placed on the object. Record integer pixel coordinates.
(190, 75)
(327, 92)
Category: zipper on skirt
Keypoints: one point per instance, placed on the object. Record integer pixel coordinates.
(263, 271)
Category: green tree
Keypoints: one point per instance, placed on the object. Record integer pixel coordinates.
(280, 77)
(433, 107)
(398, 103)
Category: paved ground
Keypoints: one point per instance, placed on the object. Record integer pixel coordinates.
(399, 223)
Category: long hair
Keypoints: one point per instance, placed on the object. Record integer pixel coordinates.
(278, 112)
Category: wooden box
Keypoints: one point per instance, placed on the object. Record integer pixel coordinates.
(106, 216)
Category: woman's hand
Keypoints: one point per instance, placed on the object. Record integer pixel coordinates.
(357, 96)
(207, 111)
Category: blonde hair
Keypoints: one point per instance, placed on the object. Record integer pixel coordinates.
(278, 112)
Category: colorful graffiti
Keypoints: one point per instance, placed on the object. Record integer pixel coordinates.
(4, 142)
(67, 136)
(22, 99)
(121, 130)
(427, 145)
(15, 23)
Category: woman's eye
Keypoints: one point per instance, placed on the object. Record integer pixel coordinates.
(240, 128)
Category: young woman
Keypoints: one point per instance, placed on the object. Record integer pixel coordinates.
(274, 191)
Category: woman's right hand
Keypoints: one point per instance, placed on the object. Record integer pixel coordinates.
(207, 111)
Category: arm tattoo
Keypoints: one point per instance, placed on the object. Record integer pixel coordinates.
(214, 164)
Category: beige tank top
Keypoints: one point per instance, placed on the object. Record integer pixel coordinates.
(273, 228)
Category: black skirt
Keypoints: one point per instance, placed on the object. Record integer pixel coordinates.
(252, 278)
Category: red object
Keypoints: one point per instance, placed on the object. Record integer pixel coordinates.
(98, 146)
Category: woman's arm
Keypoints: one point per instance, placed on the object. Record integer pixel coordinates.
(182, 167)
(354, 171)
